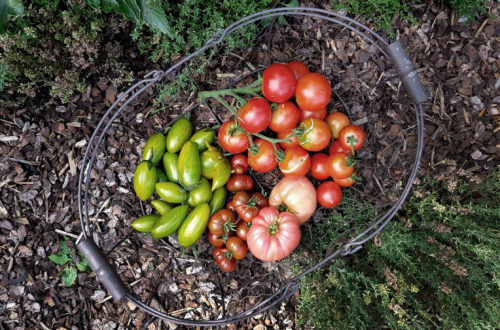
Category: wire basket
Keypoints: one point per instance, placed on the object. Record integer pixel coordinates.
(373, 82)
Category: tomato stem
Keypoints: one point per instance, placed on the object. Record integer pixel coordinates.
(352, 140)
(274, 227)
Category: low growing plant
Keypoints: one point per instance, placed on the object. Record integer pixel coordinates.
(65, 259)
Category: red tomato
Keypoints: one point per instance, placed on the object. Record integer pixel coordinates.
(278, 83)
(217, 240)
(297, 162)
(237, 247)
(238, 182)
(313, 92)
(347, 182)
(245, 206)
(294, 140)
(260, 200)
(223, 221)
(231, 139)
(255, 116)
(219, 253)
(318, 166)
(264, 160)
(337, 121)
(230, 206)
(336, 146)
(316, 134)
(284, 117)
(338, 165)
(319, 114)
(242, 229)
(297, 194)
(352, 135)
(299, 69)
(239, 164)
(273, 235)
(329, 194)
(227, 265)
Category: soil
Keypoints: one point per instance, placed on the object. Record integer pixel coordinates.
(42, 151)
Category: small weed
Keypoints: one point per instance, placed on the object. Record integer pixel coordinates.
(65, 258)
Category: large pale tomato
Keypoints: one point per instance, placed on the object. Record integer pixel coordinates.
(313, 92)
(297, 162)
(278, 83)
(273, 235)
(255, 115)
(296, 195)
(265, 159)
(285, 116)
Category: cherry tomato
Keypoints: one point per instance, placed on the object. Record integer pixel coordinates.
(338, 165)
(319, 169)
(299, 69)
(219, 253)
(278, 83)
(239, 164)
(227, 265)
(329, 194)
(260, 200)
(242, 229)
(352, 135)
(294, 140)
(222, 222)
(319, 114)
(216, 240)
(264, 160)
(337, 121)
(230, 206)
(245, 206)
(336, 146)
(240, 182)
(255, 115)
(284, 117)
(297, 162)
(231, 139)
(316, 134)
(237, 247)
(313, 92)
(347, 182)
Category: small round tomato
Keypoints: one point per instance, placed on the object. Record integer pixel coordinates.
(319, 169)
(222, 222)
(237, 247)
(319, 114)
(352, 135)
(347, 182)
(239, 164)
(255, 115)
(297, 162)
(230, 206)
(260, 200)
(299, 69)
(265, 159)
(232, 139)
(219, 253)
(240, 182)
(294, 140)
(284, 117)
(245, 206)
(338, 165)
(329, 194)
(337, 121)
(217, 240)
(227, 265)
(316, 134)
(313, 92)
(278, 83)
(242, 229)
(336, 146)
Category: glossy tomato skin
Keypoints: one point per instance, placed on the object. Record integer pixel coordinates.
(294, 140)
(237, 247)
(319, 114)
(313, 92)
(299, 69)
(216, 240)
(239, 164)
(278, 83)
(245, 206)
(353, 132)
(329, 194)
(239, 182)
(284, 117)
(347, 182)
(273, 235)
(230, 206)
(221, 222)
(336, 146)
(264, 160)
(232, 141)
(260, 200)
(242, 229)
(337, 121)
(319, 169)
(337, 164)
(255, 115)
(316, 135)
(297, 162)
(227, 265)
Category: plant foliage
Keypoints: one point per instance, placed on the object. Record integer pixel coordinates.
(64, 258)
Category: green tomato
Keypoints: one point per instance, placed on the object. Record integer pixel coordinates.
(218, 200)
(161, 206)
(209, 159)
(178, 134)
(222, 173)
(189, 166)
(170, 162)
(171, 192)
(194, 225)
(145, 178)
(203, 138)
(200, 194)
(170, 221)
(162, 177)
(145, 223)
(154, 148)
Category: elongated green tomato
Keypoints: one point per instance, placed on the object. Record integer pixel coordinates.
(179, 134)
(209, 159)
(171, 192)
(162, 176)
(145, 178)
(194, 225)
(154, 148)
(145, 223)
(161, 206)
(170, 162)
(202, 138)
(170, 221)
(218, 200)
(189, 166)
(200, 194)
(222, 173)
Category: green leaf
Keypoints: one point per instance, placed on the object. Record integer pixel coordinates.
(64, 248)
(83, 265)
(155, 18)
(130, 9)
(60, 258)
(93, 3)
(68, 276)
(109, 5)
(293, 3)
(15, 7)
(4, 14)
